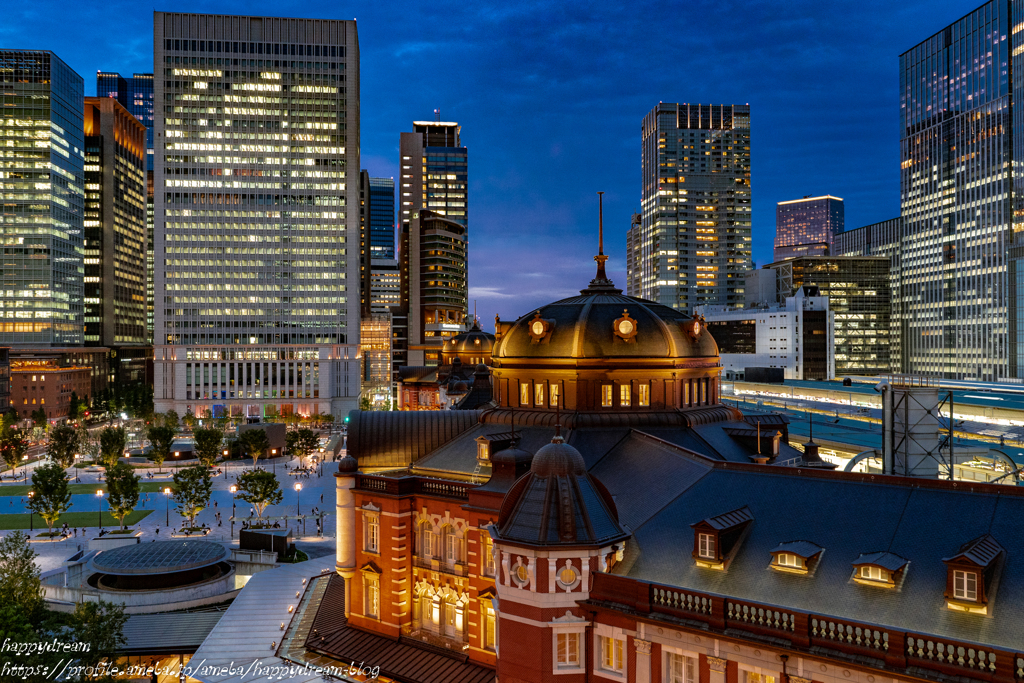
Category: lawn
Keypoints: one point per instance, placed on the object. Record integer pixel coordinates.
(144, 487)
(78, 519)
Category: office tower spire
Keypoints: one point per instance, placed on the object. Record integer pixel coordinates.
(257, 215)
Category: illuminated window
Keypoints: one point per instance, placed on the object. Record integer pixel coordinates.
(426, 541)
(706, 548)
(606, 395)
(965, 585)
(788, 560)
(645, 394)
(372, 533)
(680, 669)
(568, 653)
(538, 394)
(553, 395)
(873, 573)
(489, 629)
(372, 596)
(753, 677)
(487, 549)
(611, 653)
(524, 394)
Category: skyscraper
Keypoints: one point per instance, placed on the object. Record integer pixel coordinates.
(382, 218)
(136, 95)
(961, 137)
(692, 246)
(42, 182)
(257, 215)
(115, 225)
(434, 171)
(805, 227)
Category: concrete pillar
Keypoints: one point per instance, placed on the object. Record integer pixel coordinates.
(643, 660)
(345, 552)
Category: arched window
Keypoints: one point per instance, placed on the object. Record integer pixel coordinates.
(452, 545)
(426, 541)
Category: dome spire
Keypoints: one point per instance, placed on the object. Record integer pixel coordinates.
(601, 283)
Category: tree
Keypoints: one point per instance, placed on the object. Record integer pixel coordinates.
(112, 444)
(39, 417)
(208, 444)
(11, 417)
(189, 420)
(259, 488)
(77, 406)
(88, 445)
(192, 491)
(12, 446)
(63, 445)
(162, 440)
(302, 442)
(50, 496)
(19, 575)
(101, 624)
(123, 490)
(171, 420)
(254, 443)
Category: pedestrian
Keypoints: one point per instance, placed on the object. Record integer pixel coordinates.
(76, 532)
(157, 531)
(321, 497)
(214, 503)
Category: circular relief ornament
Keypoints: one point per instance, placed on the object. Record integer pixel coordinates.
(693, 327)
(625, 327)
(568, 577)
(538, 328)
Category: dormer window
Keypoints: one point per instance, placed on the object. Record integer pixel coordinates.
(717, 538)
(970, 575)
(706, 549)
(795, 557)
(881, 569)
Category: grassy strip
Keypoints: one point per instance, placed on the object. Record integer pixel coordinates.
(74, 519)
(144, 487)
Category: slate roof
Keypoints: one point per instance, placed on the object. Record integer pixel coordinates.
(174, 633)
(728, 520)
(399, 660)
(804, 549)
(889, 561)
(981, 551)
(395, 438)
(850, 516)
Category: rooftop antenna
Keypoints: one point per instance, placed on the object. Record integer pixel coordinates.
(558, 419)
(600, 258)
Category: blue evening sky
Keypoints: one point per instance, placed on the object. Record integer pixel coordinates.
(550, 97)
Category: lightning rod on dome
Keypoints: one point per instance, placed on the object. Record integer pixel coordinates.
(600, 258)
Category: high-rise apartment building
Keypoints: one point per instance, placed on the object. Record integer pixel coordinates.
(257, 215)
(115, 225)
(692, 246)
(961, 139)
(435, 169)
(42, 181)
(136, 95)
(805, 227)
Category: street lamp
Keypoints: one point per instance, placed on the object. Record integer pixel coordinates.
(77, 456)
(298, 487)
(31, 494)
(176, 454)
(99, 507)
(167, 508)
(233, 489)
(24, 471)
(225, 463)
(273, 454)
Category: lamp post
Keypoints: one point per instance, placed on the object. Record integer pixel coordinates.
(273, 454)
(77, 456)
(176, 461)
(31, 494)
(99, 506)
(298, 488)
(24, 469)
(233, 490)
(225, 463)
(167, 508)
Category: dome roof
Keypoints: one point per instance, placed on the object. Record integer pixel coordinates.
(559, 503)
(347, 465)
(472, 342)
(604, 323)
(558, 459)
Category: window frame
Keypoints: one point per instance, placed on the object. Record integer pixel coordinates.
(961, 589)
(867, 572)
(553, 395)
(371, 596)
(524, 393)
(607, 396)
(539, 394)
(612, 654)
(707, 546)
(690, 667)
(371, 532)
(644, 395)
(625, 395)
(571, 640)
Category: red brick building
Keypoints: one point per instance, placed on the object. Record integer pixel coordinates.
(47, 385)
(607, 519)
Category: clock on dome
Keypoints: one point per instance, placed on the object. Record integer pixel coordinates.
(539, 329)
(625, 327)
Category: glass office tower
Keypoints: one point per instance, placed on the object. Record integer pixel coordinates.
(42, 181)
(136, 95)
(382, 218)
(692, 245)
(435, 167)
(257, 215)
(962, 136)
(806, 227)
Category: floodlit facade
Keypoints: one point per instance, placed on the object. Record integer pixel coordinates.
(435, 171)
(257, 222)
(805, 227)
(692, 244)
(42, 180)
(115, 225)
(960, 141)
